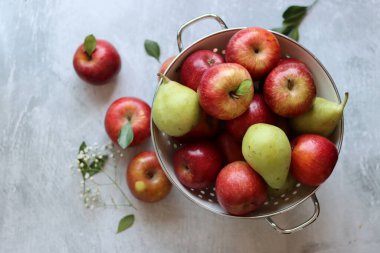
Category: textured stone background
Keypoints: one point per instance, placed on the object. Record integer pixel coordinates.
(46, 111)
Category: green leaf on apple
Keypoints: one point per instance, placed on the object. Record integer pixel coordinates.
(125, 222)
(244, 88)
(89, 44)
(152, 49)
(125, 136)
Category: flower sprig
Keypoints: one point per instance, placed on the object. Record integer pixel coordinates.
(94, 160)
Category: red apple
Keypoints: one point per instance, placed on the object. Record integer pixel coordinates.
(225, 91)
(258, 112)
(230, 148)
(145, 178)
(196, 64)
(207, 127)
(128, 110)
(289, 89)
(166, 64)
(313, 159)
(256, 49)
(288, 60)
(239, 189)
(101, 66)
(197, 164)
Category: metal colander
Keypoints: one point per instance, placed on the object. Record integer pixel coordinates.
(165, 145)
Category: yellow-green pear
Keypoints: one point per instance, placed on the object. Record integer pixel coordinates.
(267, 149)
(175, 109)
(322, 118)
(289, 184)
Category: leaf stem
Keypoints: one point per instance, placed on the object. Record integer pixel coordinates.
(312, 5)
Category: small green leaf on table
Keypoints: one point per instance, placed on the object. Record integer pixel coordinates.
(125, 136)
(89, 44)
(292, 19)
(152, 49)
(294, 34)
(125, 223)
(294, 11)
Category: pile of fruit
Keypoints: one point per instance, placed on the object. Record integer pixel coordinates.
(250, 122)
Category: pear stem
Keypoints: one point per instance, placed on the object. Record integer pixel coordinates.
(345, 99)
(164, 78)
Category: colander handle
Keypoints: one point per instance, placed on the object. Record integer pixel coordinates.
(301, 226)
(184, 26)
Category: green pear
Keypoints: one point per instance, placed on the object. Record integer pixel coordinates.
(267, 149)
(175, 109)
(322, 118)
(289, 184)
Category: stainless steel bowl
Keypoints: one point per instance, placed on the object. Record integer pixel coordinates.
(165, 145)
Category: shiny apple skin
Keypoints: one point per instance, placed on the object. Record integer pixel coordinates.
(103, 65)
(146, 179)
(313, 159)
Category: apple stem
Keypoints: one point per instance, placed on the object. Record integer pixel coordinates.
(164, 78)
(345, 99)
(234, 96)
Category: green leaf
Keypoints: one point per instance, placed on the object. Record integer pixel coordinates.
(244, 88)
(125, 222)
(96, 167)
(82, 146)
(294, 34)
(294, 21)
(89, 44)
(152, 49)
(125, 135)
(292, 18)
(284, 29)
(294, 10)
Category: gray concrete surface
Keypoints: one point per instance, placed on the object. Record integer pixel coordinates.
(46, 111)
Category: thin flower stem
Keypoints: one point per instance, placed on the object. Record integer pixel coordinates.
(121, 190)
(101, 184)
(113, 202)
(113, 205)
